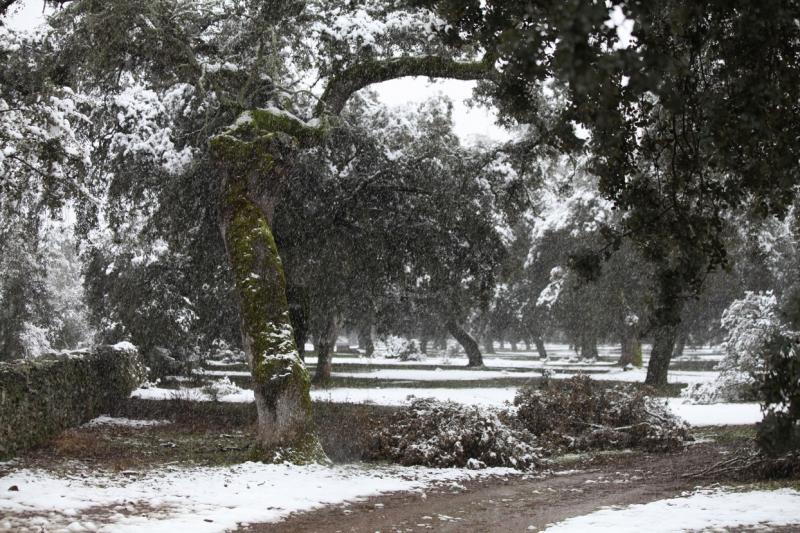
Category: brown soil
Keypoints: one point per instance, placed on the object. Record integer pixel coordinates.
(519, 503)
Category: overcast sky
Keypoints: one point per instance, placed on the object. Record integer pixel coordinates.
(469, 122)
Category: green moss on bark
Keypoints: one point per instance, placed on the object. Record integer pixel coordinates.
(254, 155)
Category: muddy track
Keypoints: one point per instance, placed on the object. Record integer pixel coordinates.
(520, 503)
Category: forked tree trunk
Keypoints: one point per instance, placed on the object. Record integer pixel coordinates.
(325, 344)
(466, 341)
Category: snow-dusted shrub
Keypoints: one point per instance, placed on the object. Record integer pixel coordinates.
(448, 434)
(751, 322)
(394, 347)
(581, 414)
(221, 388)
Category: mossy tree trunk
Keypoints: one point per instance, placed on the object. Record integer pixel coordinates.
(254, 157)
(252, 164)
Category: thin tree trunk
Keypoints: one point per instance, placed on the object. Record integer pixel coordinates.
(467, 342)
(423, 343)
(666, 322)
(365, 340)
(326, 342)
(299, 313)
(680, 343)
(488, 344)
(540, 349)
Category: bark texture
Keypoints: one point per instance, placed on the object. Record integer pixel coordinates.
(470, 345)
(249, 170)
(325, 344)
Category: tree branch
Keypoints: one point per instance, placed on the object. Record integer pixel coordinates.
(342, 86)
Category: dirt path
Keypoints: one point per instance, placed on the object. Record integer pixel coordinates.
(519, 503)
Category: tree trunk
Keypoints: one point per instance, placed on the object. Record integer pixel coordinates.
(423, 343)
(299, 313)
(467, 342)
(680, 343)
(249, 172)
(663, 344)
(326, 343)
(540, 349)
(488, 344)
(631, 350)
(588, 345)
(365, 340)
(666, 323)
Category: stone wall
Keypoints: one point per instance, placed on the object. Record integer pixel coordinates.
(40, 398)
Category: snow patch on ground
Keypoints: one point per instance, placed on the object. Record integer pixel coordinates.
(719, 414)
(201, 500)
(124, 422)
(701, 510)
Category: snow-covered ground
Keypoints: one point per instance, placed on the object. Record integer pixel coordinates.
(705, 510)
(200, 500)
(697, 415)
(124, 422)
(636, 375)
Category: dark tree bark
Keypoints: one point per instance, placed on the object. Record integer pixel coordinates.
(488, 344)
(299, 314)
(470, 345)
(680, 343)
(540, 349)
(423, 343)
(325, 345)
(666, 323)
(588, 345)
(663, 344)
(365, 340)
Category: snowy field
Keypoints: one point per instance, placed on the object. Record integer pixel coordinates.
(395, 381)
(200, 500)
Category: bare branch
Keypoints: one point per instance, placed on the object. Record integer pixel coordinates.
(342, 86)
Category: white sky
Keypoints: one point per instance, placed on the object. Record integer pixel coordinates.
(469, 122)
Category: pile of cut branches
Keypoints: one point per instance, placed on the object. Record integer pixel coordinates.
(581, 414)
(448, 434)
